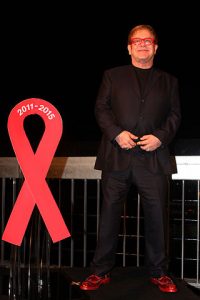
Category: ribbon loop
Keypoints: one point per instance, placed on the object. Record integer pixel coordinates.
(34, 167)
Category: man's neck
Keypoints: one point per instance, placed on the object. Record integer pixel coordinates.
(142, 64)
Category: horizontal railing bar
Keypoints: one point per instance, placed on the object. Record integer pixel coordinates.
(83, 168)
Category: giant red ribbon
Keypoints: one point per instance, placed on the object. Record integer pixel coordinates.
(35, 167)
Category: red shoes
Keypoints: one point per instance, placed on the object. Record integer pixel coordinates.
(165, 284)
(93, 282)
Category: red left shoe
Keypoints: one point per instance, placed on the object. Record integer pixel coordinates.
(165, 284)
(93, 282)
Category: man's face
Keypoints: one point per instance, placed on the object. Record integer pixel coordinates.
(142, 48)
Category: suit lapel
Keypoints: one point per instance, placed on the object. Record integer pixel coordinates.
(134, 84)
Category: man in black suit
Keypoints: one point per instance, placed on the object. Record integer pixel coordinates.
(138, 111)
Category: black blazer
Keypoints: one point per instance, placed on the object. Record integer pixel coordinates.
(119, 107)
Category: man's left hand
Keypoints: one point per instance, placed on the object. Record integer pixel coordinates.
(149, 142)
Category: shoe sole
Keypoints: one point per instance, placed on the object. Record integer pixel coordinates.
(168, 291)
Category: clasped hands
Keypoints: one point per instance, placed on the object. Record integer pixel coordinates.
(126, 140)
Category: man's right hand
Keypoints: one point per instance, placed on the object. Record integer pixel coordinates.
(126, 140)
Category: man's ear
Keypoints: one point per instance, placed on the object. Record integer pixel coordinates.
(129, 49)
(156, 47)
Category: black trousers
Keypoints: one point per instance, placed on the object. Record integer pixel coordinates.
(153, 189)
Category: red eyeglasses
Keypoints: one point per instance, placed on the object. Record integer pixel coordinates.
(146, 41)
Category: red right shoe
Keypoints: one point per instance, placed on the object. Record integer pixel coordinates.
(165, 284)
(93, 282)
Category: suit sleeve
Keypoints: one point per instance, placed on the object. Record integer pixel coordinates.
(169, 127)
(103, 109)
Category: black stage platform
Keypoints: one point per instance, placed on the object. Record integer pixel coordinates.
(128, 283)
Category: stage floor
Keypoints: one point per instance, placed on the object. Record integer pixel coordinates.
(63, 284)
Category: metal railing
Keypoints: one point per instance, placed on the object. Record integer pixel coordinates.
(76, 188)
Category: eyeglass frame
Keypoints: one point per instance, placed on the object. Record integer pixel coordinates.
(140, 41)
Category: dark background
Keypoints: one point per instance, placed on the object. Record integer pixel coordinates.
(58, 52)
